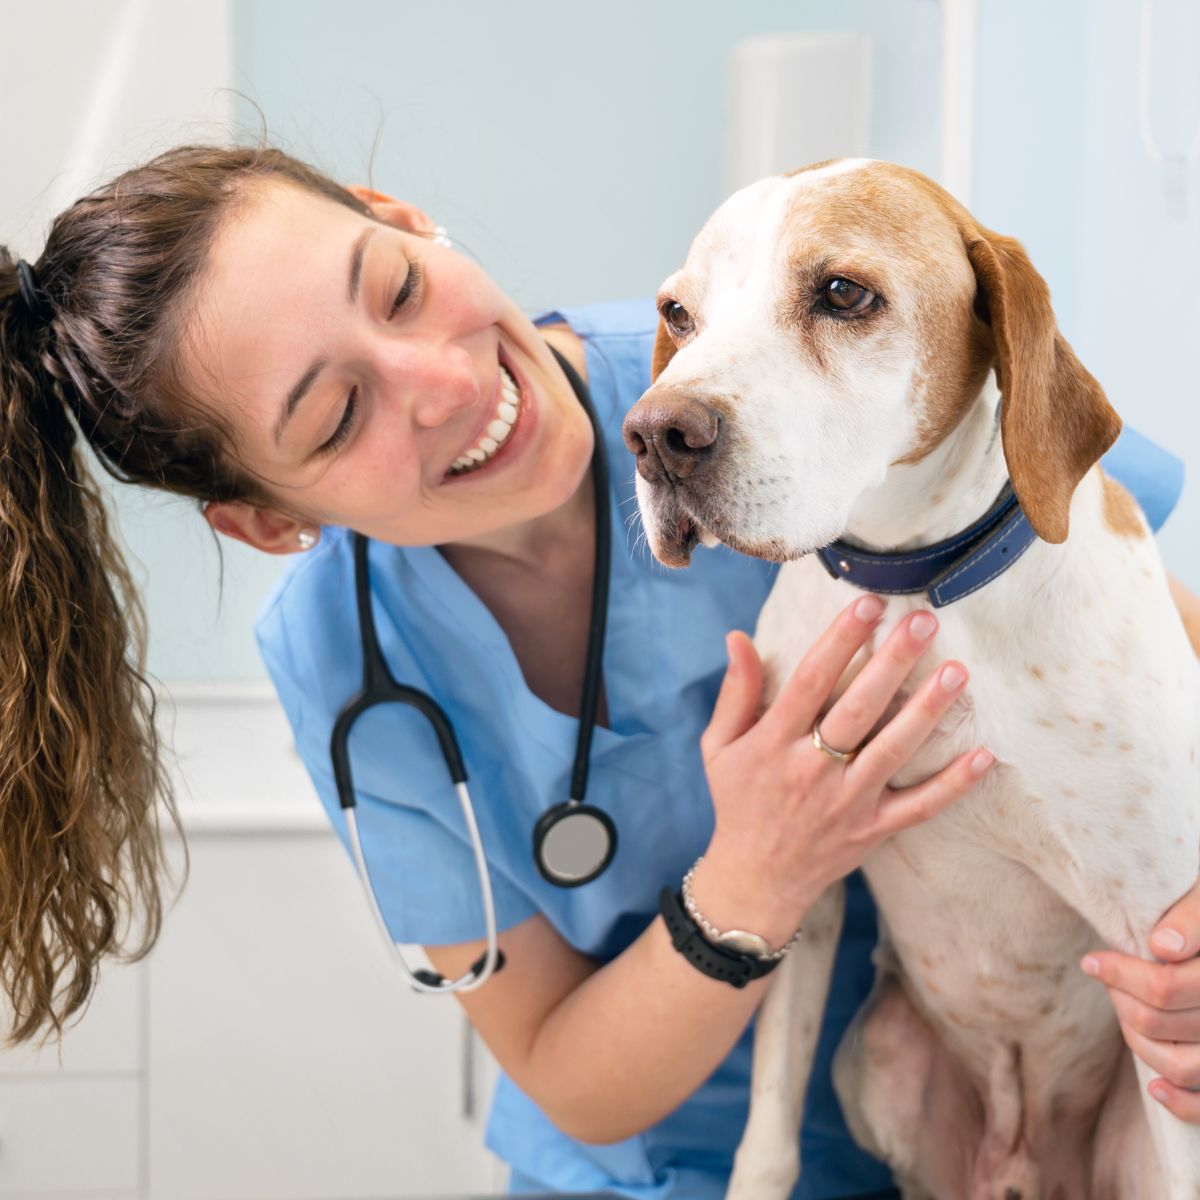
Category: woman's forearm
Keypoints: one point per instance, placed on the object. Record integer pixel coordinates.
(641, 1034)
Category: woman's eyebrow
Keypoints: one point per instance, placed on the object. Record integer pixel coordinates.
(304, 383)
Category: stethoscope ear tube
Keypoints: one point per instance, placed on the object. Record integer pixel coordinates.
(430, 982)
(380, 688)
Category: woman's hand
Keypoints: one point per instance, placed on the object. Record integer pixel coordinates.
(1158, 1005)
(790, 820)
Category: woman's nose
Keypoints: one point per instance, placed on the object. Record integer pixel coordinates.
(442, 381)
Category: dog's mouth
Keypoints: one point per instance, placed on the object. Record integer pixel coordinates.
(679, 533)
(679, 524)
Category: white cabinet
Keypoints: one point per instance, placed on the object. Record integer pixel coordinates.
(287, 1057)
(268, 1048)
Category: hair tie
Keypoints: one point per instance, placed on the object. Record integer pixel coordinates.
(35, 299)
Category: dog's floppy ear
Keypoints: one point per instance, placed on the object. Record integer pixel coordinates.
(664, 351)
(1055, 419)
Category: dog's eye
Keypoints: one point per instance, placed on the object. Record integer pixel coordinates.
(677, 318)
(845, 297)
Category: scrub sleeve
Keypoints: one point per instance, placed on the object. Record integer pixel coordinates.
(664, 661)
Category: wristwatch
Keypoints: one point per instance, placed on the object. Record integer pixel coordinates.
(734, 956)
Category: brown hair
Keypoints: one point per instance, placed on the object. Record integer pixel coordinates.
(81, 775)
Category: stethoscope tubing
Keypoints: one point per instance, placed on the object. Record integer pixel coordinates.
(379, 687)
(472, 979)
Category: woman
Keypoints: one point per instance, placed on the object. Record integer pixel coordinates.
(306, 360)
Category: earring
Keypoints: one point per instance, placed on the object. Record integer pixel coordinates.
(306, 539)
(441, 237)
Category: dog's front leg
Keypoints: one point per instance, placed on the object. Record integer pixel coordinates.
(785, 1039)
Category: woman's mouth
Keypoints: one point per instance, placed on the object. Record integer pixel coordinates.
(498, 431)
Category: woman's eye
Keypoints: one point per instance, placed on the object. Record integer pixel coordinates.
(345, 425)
(678, 319)
(843, 296)
(410, 287)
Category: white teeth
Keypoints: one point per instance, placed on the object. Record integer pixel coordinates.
(498, 429)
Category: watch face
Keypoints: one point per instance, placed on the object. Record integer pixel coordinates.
(744, 943)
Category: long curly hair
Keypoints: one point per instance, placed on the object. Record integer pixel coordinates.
(83, 787)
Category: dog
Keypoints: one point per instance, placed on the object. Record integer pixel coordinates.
(984, 1064)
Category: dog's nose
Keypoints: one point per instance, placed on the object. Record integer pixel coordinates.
(672, 435)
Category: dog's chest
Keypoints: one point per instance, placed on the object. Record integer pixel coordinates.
(987, 944)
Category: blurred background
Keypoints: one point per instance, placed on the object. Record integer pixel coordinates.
(266, 1049)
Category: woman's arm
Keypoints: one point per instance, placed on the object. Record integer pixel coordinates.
(606, 1051)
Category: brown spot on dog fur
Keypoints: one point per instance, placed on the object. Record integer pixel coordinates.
(1045, 722)
(1098, 727)
(1037, 672)
(1121, 512)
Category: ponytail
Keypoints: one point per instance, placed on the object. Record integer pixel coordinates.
(81, 779)
(89, 350)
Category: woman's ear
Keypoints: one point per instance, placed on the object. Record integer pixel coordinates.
(388, 209)
(265, 529)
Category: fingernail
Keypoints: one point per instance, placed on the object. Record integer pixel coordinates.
(1159, 1092)
(1090, 965)
(951, 677)
(981, 761)
(1168, 939)
(922, 626)
(868, 608)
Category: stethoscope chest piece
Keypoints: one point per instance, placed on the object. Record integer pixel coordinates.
(573, 843)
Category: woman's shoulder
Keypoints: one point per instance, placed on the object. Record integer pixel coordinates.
(311, 601)
(635, 318)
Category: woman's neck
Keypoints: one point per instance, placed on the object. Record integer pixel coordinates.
(542, 543)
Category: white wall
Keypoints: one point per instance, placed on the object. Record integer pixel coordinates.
(89, 89)
(1059, 164)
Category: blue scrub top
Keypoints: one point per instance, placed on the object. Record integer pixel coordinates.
(663, 663)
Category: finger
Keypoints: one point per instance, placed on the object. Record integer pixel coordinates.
(1183, 1102)
(1177, 935)
(736, 708)
(905, 807)
(808, 687)
(1166, 986)
(1182, 1025)
(1176, 1062)
(905, 733)
(856, 711)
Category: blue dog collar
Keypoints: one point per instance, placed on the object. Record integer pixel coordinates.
(947, 570)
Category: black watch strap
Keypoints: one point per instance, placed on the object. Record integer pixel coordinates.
(718, 962)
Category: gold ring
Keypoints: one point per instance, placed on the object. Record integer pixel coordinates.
(836, 755)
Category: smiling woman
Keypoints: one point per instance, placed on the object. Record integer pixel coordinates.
(374, 381)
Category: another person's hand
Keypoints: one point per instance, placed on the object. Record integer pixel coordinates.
(791, 820)
(1158, 1005)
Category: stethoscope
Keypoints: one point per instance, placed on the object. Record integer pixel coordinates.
(573, 842)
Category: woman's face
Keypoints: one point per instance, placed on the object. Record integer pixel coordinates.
(359, 366)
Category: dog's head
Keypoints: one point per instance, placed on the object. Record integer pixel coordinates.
(828, 325)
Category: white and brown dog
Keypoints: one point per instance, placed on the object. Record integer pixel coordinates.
(830, 366)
